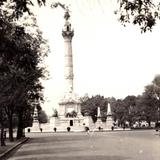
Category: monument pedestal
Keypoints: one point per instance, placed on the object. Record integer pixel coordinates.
(109, 120)
(70, 114)
(75, 124)
(109, 123)
(99, 123)
(88, 122)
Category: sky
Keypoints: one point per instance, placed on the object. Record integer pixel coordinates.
(108, 58)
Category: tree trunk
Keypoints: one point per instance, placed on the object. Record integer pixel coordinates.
(2, 136)
(20, 127)
(10, 129)
(23, 133)
(149, 123)
(130, 123)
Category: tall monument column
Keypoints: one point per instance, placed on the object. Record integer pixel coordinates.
(69, 105)
(69, 112)
(67, 34)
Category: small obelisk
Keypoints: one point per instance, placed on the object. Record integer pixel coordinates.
(98, 112)
(99, 121)
(109, 113)
(109, 120)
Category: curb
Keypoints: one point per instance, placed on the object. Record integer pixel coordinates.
(3, 155)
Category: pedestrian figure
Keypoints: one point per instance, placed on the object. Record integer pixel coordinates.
(41, 129)
(157, 126)
(112, 128)
(55, 129)
(87, 129)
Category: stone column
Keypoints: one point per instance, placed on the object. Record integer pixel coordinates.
(109, 120)
(98, 112)
(69, 101)
(109, 113)
(67, 34)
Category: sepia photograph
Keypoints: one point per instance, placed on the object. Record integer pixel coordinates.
(79, 80)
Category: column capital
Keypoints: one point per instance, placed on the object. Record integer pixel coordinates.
(67, 31)
(67, 34)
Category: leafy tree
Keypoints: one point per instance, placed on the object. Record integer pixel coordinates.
(6, 67)
(42, 117)
(124, 110)
(144, 13)
(130, 107)
(146, 109)
(3, 119)
(33, 72)
(21, 54)
(22, 6)
(147, 104)
(90, 105)
(152, 96)
(119, 111)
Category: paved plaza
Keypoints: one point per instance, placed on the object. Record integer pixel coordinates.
(122, 145)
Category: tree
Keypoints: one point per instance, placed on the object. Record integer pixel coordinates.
(130, 107)
(152, 100)
(144, 13)
(145, 108)
(42, 117)
(90, 105)
(119, 111)
(124, 110)
(33, 72)
(22, 6)
(3, 119)
(6, 47)
(21, 54)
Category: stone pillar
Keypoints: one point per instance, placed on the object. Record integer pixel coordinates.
(99, 121)
(109, 120)
(67, 34)
(70, 101)
(109, 113)
(98, 112)
(79, 110)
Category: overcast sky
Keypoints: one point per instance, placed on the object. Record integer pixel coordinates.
(108, 59)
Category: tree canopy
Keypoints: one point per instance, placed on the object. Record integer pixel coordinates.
(144, 13)
(42, 117)
(21, 58)
(130, 110)
(90, 105)
(22, 6)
